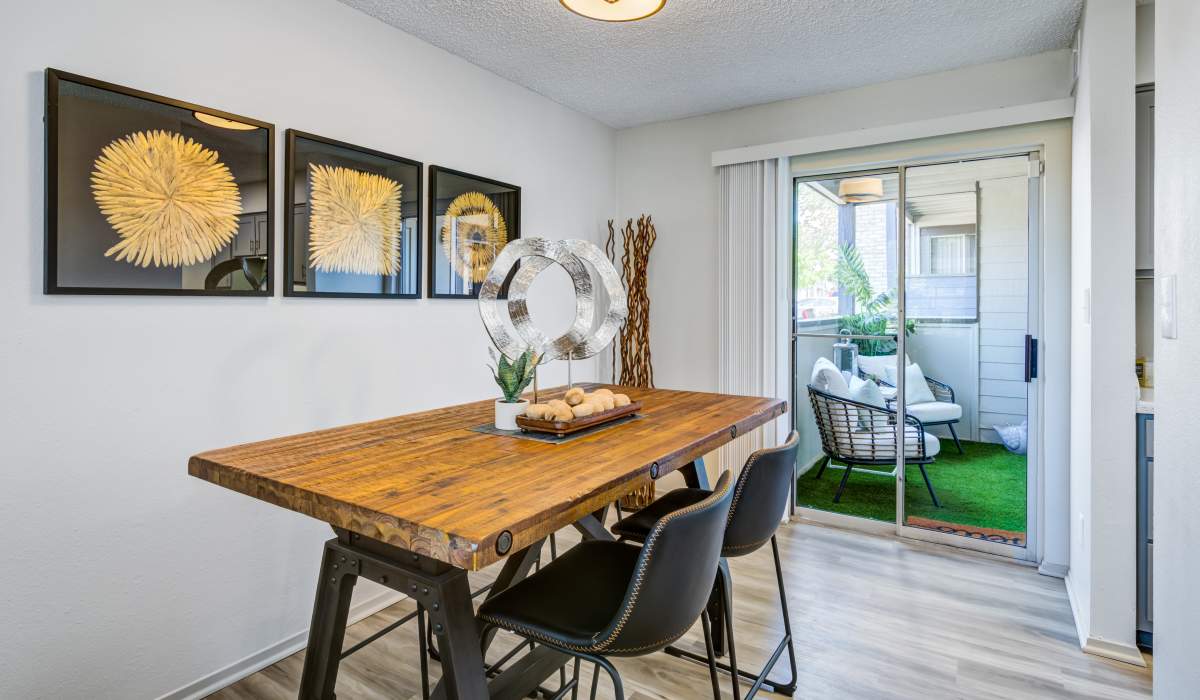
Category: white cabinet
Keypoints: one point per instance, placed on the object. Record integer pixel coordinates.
(1144, 208)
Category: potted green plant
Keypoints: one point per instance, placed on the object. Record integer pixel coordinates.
(875, 314)
(512, 378)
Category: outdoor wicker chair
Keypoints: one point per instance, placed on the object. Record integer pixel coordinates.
(943, 410)
(859, 434)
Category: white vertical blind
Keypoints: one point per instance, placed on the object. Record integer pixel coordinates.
(750, 340)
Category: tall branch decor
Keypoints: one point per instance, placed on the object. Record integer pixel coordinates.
(171, 200)
(355, 221)
(632, 354)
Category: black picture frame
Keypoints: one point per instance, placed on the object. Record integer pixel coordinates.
(53, 243)
(438, 266)
(347, 152)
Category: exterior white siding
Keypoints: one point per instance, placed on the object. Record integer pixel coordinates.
(1003, 303)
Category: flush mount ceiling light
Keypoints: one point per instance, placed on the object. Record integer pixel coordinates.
(861, 189)
(614, 10)
(214, 120)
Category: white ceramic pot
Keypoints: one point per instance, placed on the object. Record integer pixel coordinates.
(506, 413)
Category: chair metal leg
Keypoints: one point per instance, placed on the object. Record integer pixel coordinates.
(929, 485)
(761, 679)
(706, 625)
(954, 434)
(824, 463)
(837, 497)
(725, 583)
(790, 687)
(717, 613)
(603, 663)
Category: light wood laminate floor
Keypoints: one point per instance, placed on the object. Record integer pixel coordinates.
(874, 617)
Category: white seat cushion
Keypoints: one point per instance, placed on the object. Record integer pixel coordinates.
(859, 442)
(935, 411)
(932, 446)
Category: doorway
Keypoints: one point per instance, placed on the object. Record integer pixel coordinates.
(945, 251)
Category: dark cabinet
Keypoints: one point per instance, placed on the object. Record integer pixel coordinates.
(1145, 528)
(252, 236)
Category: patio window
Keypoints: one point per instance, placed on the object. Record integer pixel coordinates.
(947, 253)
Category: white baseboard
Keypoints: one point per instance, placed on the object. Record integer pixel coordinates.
(1049, 568)
(1118, 651)
(259, 660)
(1079, 631)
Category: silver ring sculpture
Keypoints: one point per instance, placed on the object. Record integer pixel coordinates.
(535, 255)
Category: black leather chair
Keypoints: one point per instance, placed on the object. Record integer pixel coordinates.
(605, 598)
(759, 499)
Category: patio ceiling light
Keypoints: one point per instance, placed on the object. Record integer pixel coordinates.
(614, 10)
(861, 189)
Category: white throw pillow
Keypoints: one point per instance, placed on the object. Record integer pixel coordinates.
(916, 390)
(877, 365)
(864, 391)
(828, 378)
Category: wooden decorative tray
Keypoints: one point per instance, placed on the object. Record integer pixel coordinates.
(563, 427)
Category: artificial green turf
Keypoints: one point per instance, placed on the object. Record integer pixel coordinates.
(984, 487)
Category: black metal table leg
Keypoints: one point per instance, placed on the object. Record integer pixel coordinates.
(695, 475)
(328, 628)
(515, 568)
(458, 640)
(439, 588)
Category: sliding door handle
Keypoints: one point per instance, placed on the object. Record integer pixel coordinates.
(1031, 358)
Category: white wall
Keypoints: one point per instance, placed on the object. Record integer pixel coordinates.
(1102, 580)
(124, 577)
(949, 352)
(1177, 442)
(1144, 65)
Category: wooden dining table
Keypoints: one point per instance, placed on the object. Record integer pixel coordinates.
(419, 500)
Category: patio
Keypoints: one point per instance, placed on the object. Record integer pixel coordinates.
(983, 493)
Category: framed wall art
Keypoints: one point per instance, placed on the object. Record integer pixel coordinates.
(150, 195)
(471, 219)
(353, 228)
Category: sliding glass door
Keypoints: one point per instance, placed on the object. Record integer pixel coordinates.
(914, 348)
(846, 282)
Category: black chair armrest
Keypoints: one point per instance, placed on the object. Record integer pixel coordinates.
(941, 390)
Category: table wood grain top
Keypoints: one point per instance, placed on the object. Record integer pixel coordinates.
(429, 484)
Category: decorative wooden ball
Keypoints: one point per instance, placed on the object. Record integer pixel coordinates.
(574, 396)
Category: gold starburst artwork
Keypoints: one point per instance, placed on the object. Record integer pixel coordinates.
(354, 221)
(473, 232)
(171, 200)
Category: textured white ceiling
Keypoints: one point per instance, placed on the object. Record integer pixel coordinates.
(700, 56)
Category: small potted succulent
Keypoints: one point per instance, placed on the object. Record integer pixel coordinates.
(512, 378)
